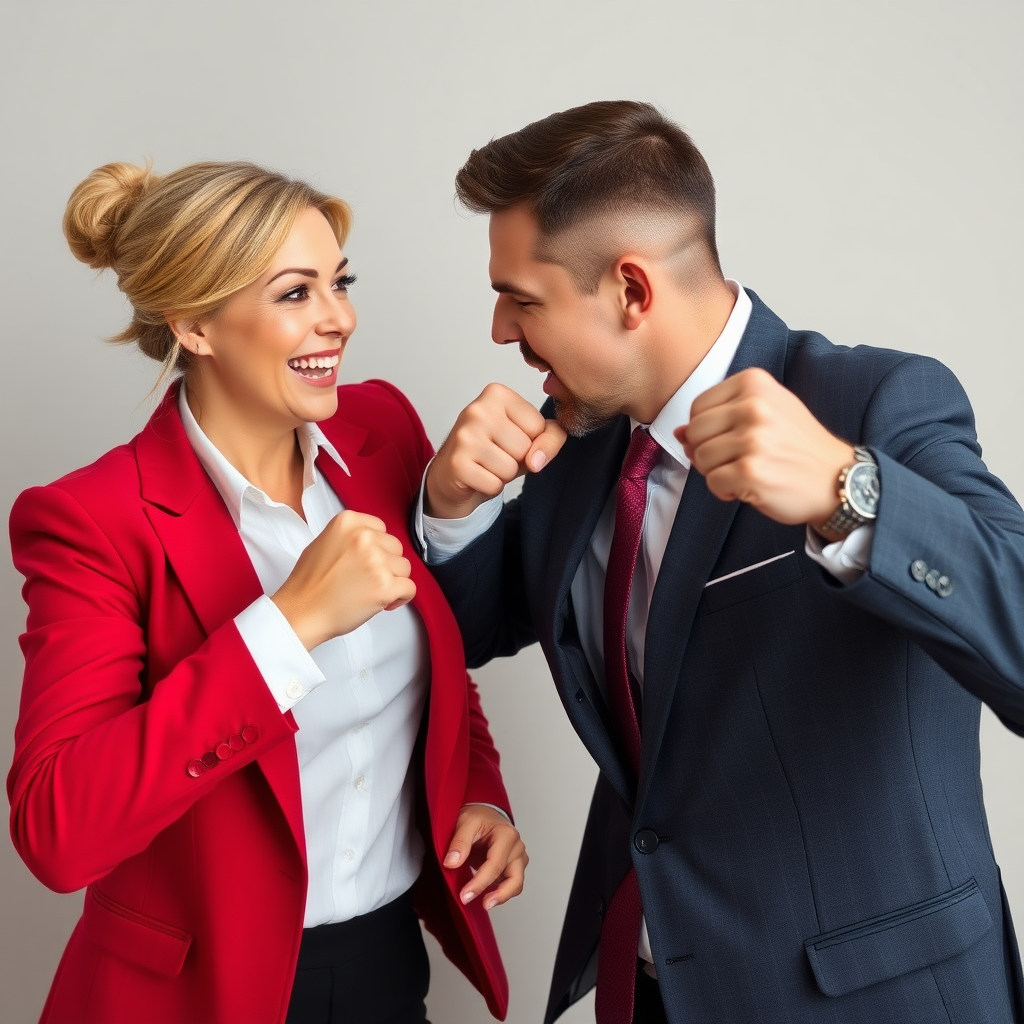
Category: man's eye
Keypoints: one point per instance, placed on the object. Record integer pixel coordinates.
(523, 305)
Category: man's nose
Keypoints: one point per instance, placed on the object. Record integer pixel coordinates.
(504, 329)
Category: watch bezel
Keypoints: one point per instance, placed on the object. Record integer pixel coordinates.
(846, 493)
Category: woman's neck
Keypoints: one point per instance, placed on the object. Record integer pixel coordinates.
(265, 453)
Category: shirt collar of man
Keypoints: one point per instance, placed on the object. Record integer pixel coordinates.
(230, 484)
(711, 370)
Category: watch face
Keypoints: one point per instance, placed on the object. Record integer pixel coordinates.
(863, 490)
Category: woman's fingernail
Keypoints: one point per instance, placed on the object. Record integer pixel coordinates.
(468, 897)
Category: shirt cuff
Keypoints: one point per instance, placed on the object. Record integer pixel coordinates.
(286, 666)
(493, 807)
(847, 559)
(441, 539)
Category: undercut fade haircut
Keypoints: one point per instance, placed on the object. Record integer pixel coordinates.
(577, 167)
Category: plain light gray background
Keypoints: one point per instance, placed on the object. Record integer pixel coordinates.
(868, 159)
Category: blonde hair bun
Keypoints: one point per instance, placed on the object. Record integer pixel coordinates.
(98, 208)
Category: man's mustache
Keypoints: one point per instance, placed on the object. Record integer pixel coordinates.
(531, 358)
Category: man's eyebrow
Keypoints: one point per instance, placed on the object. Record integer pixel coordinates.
(305, 271)
(504, 287)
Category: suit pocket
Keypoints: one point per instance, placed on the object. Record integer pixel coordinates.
(745, 585)
(885, 947)
(134, 937)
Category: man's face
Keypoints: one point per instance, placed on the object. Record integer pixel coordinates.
(577, 340)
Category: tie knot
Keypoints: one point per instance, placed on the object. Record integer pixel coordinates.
(641, 455)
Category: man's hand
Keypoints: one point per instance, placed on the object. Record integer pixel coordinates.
(496, 438)
(350, 572)
(493, 847)
(755, 441)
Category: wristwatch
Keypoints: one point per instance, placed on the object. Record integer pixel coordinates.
(859, 493)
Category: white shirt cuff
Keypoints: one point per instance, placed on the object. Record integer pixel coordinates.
(286, 666)
(846, 559)
(493, 807)
(441, 539)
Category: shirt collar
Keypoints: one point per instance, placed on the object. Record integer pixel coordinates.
(231, 485)
(711, 370)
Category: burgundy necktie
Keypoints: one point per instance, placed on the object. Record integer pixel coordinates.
(620, 932)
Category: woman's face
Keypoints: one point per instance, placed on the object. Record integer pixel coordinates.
(272, 352)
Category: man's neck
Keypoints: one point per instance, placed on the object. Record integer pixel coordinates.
(686, 333)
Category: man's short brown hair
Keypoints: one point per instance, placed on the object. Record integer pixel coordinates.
(612, 157)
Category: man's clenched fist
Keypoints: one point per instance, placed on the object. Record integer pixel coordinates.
(496, 438)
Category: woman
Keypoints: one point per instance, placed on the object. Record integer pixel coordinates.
(231, 649)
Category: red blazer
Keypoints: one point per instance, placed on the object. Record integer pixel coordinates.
(134, 671)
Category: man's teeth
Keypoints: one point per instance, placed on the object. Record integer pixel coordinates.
(315, 363)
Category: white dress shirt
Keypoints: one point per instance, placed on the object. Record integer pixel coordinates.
(444, 538)
(358, 699)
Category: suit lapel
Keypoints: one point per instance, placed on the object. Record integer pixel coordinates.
(378, 486)
(207, 555)
(592, 473)
(698, 534)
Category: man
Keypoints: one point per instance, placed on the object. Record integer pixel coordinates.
(773, 580)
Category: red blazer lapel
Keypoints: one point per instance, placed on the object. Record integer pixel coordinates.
(209, 559)
(378, 485)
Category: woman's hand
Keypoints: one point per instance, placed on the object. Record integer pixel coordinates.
(353, 570)
(492, 845)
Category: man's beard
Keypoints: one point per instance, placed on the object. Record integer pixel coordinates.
(576, 417)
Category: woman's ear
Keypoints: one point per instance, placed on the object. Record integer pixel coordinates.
(190, 336)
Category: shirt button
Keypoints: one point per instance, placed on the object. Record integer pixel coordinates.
(361, 782)
(359, 728)
(294, 688)
(349, 855)
(363, 675)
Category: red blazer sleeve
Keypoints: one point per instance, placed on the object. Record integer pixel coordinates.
(102, 753)
(484, 783)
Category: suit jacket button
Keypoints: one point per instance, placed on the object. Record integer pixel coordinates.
(223, 751)
(944, 586)
(210, 759)
(250, 734)
(932, 579)
(196, 768)
(919, 570)
(646, 840)
(236, 742)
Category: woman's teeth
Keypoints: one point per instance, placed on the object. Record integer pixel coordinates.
(314, 364)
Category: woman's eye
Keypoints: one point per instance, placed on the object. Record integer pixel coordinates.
(295, 294)
(342, 284)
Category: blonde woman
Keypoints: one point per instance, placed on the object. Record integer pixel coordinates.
(246, 724)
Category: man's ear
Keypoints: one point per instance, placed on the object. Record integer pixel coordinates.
(636, 292)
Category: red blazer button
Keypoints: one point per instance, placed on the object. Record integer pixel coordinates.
(196, 768)
(210, 759)
(223, 751)
(250, 734)
(236, 742)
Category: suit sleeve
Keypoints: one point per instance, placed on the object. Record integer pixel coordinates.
(484, 783)
(943, 512)
(98, 769)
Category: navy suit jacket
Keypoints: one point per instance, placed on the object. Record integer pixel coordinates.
(808, 831)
